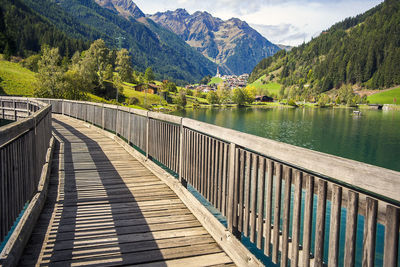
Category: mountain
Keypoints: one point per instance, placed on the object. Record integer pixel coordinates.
(126, 8)
(149, 44)
(362, 51)
(23, 32)
(233, 44)
(285, 47)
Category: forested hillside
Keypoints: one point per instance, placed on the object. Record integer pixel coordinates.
(23, 32)
(362, 51)
(149, 45)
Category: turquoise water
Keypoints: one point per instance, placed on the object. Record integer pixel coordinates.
(373, 137)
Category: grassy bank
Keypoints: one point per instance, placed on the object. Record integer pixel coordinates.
(272, 87)
(16, 80)
(386, 97)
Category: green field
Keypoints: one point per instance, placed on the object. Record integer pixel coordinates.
(272, 87)
(19, 81)
(386, 97)
(151, 99)
(15, 79)
(215, 80)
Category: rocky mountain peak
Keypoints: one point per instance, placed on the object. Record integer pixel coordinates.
(126, 8)
(233, 44)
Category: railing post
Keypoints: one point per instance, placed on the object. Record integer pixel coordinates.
(76, 109)
(27, 107)
(232, 202)
(62, 106)
(102, 116)
(86, 108)
(94, 112)
(180, 169)
(129, 127)
(15, 110)
(147, 136)
(2, 109)
(116, 122)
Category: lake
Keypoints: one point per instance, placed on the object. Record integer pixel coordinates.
(373, 137)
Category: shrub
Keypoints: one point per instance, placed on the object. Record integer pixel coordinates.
(133, 101)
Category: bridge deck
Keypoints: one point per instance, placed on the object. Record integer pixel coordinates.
(105, 208)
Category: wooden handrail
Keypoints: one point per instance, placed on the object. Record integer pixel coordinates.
(240, 175)
(23, 148)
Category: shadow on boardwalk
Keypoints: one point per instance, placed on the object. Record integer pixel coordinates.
(107, 210)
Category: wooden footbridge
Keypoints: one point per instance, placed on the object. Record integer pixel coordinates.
(101, 185)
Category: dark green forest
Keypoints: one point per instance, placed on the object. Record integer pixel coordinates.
(23, 32)
(363, 51)
(149, 44)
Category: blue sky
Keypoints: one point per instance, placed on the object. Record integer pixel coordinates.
(287, 22)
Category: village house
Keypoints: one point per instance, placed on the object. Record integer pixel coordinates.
(151, 88)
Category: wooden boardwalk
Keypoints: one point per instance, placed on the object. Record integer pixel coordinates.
(104, 208)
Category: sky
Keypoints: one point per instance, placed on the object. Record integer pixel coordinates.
(289, 22)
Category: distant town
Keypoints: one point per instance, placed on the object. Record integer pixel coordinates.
(227, 81)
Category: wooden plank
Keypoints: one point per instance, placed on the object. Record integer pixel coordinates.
(351, 228)
(247, 194)
(253, 205)
(95, 221)
(224, 181)
(220, 175)
(286, 216)
(277, 213)
(236, 196)
(334, 232)
(241, 188)
(390, 257)
(296, 217)
(260, 207)
(308, 213)
(347, 171)
(370, 232)
(268, 209)
(231, 186)
(202, 165)
(320, 223)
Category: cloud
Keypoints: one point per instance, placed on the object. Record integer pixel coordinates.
(282, 21)
(281, 34)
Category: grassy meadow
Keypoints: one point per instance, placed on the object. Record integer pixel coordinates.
(16, 80)
(272, 87)
(386, 97)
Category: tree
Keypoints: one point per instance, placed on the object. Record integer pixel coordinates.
(123, 63)
(50, 75)
(32, 62)
(205, 80)
(213, 98)
(224, 94)
(149, 75)
(323, 100)
(74, 88)
(169, 87)
(242, 96)
(99, 54)
(180, 100)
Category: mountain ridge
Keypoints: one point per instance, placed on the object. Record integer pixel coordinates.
(126, 8)
(361, 51)
(149, 44)
(232, 43)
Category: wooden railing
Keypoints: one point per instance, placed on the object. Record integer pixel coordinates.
(281, 197)
(23, 148)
